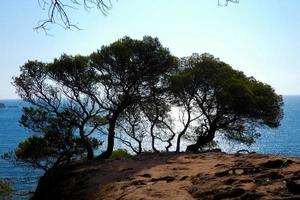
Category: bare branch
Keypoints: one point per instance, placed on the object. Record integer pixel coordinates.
(225, 2)
(57, 11)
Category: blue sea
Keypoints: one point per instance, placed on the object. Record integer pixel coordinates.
(24, 180)
(284, 140)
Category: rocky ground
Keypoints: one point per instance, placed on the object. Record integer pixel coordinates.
(184, 176)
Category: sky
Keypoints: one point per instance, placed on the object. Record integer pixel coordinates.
(259, 37)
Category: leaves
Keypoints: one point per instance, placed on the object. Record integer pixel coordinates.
(230, 102)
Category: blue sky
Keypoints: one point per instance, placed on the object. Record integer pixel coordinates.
(259, 37)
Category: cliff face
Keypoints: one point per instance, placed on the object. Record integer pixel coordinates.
(177, 176)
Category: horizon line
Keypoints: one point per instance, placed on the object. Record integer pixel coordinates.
(8, 99)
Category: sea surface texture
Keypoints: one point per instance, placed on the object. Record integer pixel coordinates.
(24, 179)
(284, 140)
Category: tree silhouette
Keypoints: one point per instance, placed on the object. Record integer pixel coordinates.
(93, 94)
(58, 11)
(126, 91)
(55, 89)
(129, 71)
(225, 101)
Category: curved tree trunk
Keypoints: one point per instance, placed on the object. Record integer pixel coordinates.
(111, 131)
(182, 133)
(153, 138)
(184, 130)
(179, 138)
(201, 141)
(87, 145)
(170, 142)
(111, 137)
(140, 148)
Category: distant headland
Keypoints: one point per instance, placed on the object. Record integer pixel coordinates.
(2, 105)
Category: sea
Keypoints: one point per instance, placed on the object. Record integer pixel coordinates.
(284, 140)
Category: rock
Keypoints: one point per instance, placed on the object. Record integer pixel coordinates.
(296, 175)
(183, 178)
(146, 175)
(251, 195)
(138, 182)
(192, 190)
(293, 186)
(297, 197)
(229, 181)
(164, 178)
(212, 150)
(219, 165)
(231, 193)
(245, 181)
(126, 169)
(198, 194)
(270, 175)
(273, 164)
(243, 151)
(221, 174)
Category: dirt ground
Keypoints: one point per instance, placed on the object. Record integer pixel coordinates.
(213, 175)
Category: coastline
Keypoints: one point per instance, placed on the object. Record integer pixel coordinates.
(282, 141)
(212, 175)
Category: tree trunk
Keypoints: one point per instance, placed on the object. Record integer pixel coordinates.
(183, 131)
(111, 136)
(201, 141)
(180, 135)
(87, 145)
(153, 138)
(140, 148)
(179, 140)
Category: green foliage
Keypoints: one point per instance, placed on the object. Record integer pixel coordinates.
(229, 102)
(130, 68)
(133, 73)
(129, 87)
(54, 143)
(81, 94)
(120, 153)
(6, 190)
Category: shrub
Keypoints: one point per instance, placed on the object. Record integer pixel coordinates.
(5, 189)
(120, 153)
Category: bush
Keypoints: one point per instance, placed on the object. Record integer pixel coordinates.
(120, 153)
(5, 189)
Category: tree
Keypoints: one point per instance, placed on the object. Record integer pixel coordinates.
(227, 101)
(183, 97)
(54, 143)
(132, 130)
(126, 91)
(129, 71)
(54, 89)
(89, 96)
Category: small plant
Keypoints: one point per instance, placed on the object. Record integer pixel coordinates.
(5, 190)
(120, 153)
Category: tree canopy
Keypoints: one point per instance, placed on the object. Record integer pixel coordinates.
(129, 91)
(74, 98)
(227, 101)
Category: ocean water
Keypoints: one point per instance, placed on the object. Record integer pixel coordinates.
(284, 140)
(24, 180)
